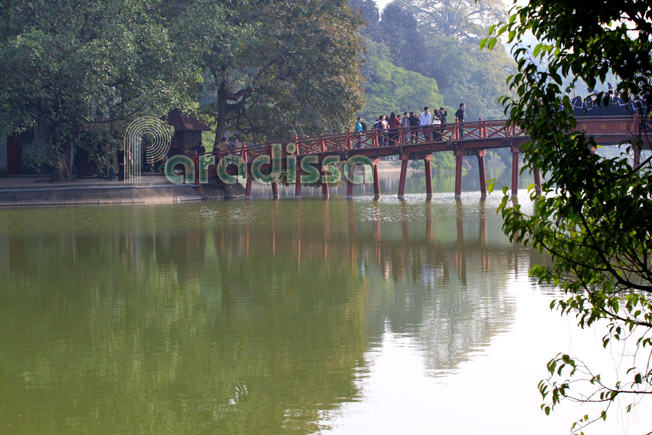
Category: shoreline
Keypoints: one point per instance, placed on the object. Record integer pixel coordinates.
(37, 191)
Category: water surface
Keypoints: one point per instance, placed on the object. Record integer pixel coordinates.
(306, 316)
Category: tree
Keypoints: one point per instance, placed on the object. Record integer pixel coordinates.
(393, 89)
(464, 19)
(417, 41)
(397, 31)
(291, 67)
(72, 68)
(595, 216)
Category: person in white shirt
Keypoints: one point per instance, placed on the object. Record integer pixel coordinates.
(437, 122)
(426, 119)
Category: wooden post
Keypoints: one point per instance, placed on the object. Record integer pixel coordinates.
(459, 160)
(325, 191)
(376, 162)
(275, 189)
(248, 187)
(195, 159)
(297, 184)
(537, 181)
(514, 151)
(245, 157)
(637, 156)
(348, 138)
(428, 175)
(349, 189)
(405, 159)
(482, 173)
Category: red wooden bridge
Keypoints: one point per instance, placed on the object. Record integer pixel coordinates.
(419, 143)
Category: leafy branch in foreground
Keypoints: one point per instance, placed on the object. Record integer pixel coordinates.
(594, 217)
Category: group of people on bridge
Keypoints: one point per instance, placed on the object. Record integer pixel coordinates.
(611, 103)
(412, 123)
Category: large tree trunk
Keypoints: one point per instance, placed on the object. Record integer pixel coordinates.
(222, 107)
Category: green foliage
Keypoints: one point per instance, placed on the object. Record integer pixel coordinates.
(393, 89)
(286, 67)
(439, 40)
(67, 67)
(272, 68)
(595, 215)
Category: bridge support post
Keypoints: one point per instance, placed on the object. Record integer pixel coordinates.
(250, 181)
(325, 191)
(428, 175)
(459, 160)
(514, 151)
(482, 173)
(275, 189)
(297, 184)
(349, 189)
(405, 159)
(637, 156)
(376, 162)
(537, 181)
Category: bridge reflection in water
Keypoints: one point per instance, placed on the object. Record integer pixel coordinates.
(241, 316)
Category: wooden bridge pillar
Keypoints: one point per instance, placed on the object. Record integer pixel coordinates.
(637, 156)
(514, 151)
(275, 189)
(482, 173)
(376, 162)
(349, 189)
(405, 159)
(325, 191)
(250, 181)
(297, 184)
(427, 160)
(537, 181)
(459, 160)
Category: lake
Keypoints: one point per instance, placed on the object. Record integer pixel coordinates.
(282, 316)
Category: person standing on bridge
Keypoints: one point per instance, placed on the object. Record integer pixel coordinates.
(459, 117)
(405, 122)
(360, 128)
(414, 126)
(442, 116)
(436, 121)
(425, 121)
(394, 125)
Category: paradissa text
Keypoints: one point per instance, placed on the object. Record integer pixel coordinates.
(311, 173)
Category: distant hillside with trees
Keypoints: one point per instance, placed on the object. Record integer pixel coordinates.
(433, 44)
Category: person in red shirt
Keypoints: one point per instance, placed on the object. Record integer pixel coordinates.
(394, 127)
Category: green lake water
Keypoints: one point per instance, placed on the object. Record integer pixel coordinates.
(291, 316)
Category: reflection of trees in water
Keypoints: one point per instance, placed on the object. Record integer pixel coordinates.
(234, 317)
(138, 330)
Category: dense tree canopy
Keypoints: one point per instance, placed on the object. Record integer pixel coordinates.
(595, 216)
(266, 68)
(70, 66)
(393, 88)
(293, 69)
(421, 37)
